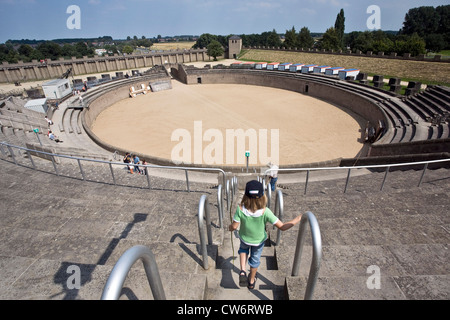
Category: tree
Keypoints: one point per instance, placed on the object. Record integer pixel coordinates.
(444, 24)
(204, 40)
(339, 25)
(128, 49)
(415, 45)
(330, 40)
(7, 53)
(350, 39)
(68, 51)
(422, 20)
(432, 24)
(304, 38)
(82, 50)
(381, 42)
(50, 50)
(444, 21)
(435, 42)
(363, 41)
(25, 50)
(291, 40)
(273, 40)
(215, 49)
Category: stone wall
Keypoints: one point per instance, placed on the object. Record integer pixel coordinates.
(413, 147)
(351, 101)
(339, 96)
(33, 71)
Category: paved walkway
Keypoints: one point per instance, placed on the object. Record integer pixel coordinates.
(52, 223)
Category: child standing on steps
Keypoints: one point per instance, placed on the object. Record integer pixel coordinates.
(251, 218)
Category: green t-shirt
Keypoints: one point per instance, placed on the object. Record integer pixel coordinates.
(252, 229)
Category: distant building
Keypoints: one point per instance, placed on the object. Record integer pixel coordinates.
(100, 52)
(57, 89)
(38, 105)
(234, 47)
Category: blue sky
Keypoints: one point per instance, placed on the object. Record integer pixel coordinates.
(44, 19)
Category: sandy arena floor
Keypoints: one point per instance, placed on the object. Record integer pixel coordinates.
(175, 124)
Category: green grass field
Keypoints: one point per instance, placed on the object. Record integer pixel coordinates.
(407, 70)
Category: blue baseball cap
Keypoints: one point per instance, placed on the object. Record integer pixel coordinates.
(254, 189)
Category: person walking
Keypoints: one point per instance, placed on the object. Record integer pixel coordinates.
(251, 218)
(136, 161)
(273, 175)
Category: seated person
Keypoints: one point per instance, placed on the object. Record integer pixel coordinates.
(52, 137)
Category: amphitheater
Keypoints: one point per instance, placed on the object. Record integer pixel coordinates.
(71, 211)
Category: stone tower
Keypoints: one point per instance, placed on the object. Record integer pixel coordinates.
(234, 47)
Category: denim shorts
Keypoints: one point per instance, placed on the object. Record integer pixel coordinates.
(254, 253)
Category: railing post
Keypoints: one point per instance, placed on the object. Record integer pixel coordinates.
(317, 252)
(148, 177)
(385, 177)
(348, 179)
(220, 204)
(231, 190)
(423, 174)
(31, 160)
(54, 165)
(112, 173)
(203, 209)
(227, 190)
(307, 180)
(81, 169)
(12, 155)
(187, 181)
(233, 187)
(279, 210)
(120, 271)
(3, 151)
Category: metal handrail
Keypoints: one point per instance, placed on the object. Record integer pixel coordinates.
(202, 209)
(235, 185)
(310, 218)
(269, 196)
(228, 188)
(232, 189)
(110, 164)
(120, 271)
(220, 204)
(387, 166)
(279, 211)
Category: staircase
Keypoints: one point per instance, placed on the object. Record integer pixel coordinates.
(223, 282)
(50, 223)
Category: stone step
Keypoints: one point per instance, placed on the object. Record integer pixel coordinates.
(182, 276)
(343, 288)
(425, 287)
(268, 287)
(223, 284)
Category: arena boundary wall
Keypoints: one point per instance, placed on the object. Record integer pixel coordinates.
(50, 69)
(381, 152)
